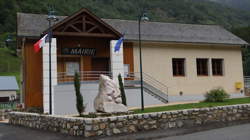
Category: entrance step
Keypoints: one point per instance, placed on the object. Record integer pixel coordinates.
(148, 89)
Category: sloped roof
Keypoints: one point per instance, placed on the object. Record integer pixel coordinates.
(8, 83)
(175, 32)
(87, 14)
(34, 24)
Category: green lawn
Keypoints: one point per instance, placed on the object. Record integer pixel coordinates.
(9, 64)
(194, 105)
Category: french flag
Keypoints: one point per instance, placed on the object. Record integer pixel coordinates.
(118, 44)
(40, 43)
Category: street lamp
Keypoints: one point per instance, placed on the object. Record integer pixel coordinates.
(51, 18)
(8, 41)
(142, 18)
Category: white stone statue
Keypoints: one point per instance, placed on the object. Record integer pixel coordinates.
(109, 99)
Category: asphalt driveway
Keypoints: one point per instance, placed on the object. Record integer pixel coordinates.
(9, 132)
(236, 132)
(239, 132)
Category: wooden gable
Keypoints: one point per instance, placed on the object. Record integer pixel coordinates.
(84, 23)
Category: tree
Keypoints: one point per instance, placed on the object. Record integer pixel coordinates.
(244, 33)
(122, 90)
(79, 99)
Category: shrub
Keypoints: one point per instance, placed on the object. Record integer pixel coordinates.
(79, 99)
(122, 90)
(216, 95)
(35, 110)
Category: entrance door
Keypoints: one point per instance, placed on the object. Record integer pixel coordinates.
(100, 64)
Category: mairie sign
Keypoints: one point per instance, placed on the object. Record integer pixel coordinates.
(79, 51)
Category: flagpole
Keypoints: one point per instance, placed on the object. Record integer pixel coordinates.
(140, 55)
(51, 17)
(50, 80)
(142, 17)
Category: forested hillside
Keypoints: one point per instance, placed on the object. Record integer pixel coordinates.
(185, 11)
(182, 11)
(244, 33)
(237, 4)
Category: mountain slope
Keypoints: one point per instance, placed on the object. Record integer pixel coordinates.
(184, 11)
(237, 4)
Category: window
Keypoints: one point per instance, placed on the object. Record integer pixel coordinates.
(178, 66)
(217, 67)
(126, 70)
(202, 67)
(4, 99)
(71, 68)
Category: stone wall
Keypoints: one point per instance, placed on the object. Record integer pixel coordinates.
(108, 126)
(66, 125)
(3, 114)
(247, 91)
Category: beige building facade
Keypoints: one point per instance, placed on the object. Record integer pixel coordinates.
(157, 62)
(185, 59)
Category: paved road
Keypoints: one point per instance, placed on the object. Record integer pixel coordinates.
(238, 132)
(8, 132)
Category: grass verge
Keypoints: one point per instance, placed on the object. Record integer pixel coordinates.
(9, 64)
(194, 105)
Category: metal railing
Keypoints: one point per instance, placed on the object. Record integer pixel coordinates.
(150, 82)
(64, 77)
(247, 81)
(153, 86)
(8, 105)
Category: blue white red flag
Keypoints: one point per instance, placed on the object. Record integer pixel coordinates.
(40, 43)
(118, 44)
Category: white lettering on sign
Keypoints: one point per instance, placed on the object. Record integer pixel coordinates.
(79, 51)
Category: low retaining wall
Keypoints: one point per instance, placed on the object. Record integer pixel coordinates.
(247, 91)
(132, 123)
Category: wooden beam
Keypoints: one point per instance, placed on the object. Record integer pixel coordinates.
(78, 30)
(93, 28)
(78, 16)
(84, 34)
(61, 28)
(65, 28)
(72, 56)
(84, 23)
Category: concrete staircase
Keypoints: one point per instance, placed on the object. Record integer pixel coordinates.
(149, 89)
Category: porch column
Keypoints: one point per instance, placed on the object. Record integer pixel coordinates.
(116, 59)
(46, 74)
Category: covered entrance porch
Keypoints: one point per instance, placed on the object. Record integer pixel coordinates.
(83, 45)
(90, 57)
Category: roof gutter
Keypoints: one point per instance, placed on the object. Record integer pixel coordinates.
(203, 43)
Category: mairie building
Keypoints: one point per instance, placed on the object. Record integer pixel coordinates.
(184, 59)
